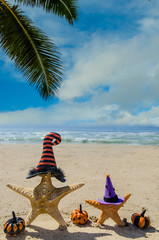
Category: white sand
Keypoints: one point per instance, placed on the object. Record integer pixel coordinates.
(133, 169)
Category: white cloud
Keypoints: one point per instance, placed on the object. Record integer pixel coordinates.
(129, 66)
(149, 25)
(71, 114)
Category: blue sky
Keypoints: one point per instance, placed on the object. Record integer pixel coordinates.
(111, 69)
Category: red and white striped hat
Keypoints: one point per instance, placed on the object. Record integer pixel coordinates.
(47, 162)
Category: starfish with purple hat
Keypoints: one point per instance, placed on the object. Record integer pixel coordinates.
(110, 197)
(47, 162)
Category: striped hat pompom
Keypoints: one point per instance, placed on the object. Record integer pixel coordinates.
(47, 162)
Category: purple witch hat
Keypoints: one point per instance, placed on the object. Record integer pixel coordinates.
(110, 196)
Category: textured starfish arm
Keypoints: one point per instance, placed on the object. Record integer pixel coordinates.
(58, 217)
(116, 218)
(68, 189)
(126, 198)
(31, 216)
(94, 203)
(26, 192)
(104, 216)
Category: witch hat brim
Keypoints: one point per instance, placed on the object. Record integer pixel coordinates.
(55, 172)
(119, 201)
(33, 173)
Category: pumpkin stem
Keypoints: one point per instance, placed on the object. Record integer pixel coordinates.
(14, 217)
(80, 208)
(142, 214)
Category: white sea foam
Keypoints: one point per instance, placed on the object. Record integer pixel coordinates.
(134, 137)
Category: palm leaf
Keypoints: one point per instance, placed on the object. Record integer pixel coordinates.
(62, 8)
(35, 55)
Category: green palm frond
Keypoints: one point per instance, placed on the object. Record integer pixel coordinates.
(62, 8)
(35, 55)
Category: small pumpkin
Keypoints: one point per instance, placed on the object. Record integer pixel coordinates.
(14, 226)
(79, 216)
(140, 220)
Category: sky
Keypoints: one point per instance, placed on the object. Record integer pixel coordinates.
(111, 69)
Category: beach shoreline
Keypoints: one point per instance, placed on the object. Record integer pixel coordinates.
(133, 169)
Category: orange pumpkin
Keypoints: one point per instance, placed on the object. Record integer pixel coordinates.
(79, 216)
(140, 220)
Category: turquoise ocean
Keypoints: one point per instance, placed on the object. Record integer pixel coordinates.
(130, 136)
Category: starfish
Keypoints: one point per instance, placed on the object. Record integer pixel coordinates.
(109, 211)
(45, 199)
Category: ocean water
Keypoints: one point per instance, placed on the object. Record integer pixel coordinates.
(148, 136)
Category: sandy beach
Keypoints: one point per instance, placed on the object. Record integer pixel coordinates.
(133, 169)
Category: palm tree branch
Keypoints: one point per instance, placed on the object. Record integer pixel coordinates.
(27, 34)
(33, 52)
(67, 8)
(62, 8)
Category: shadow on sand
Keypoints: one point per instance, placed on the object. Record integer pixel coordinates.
(45, 234)
(130, 232)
